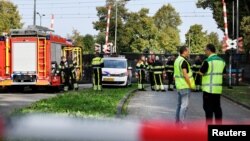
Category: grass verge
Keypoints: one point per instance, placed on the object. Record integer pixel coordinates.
(238, 93)
(86, 102)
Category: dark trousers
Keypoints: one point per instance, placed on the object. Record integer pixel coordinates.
(74, 80)
(170, 76)
(212, 107)
(67, 76)
(158, 82)
(97, 72)
(141, 79)
(197, 79)
(151, 79)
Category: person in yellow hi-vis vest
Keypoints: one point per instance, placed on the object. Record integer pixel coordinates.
(97, 65)
(184, 82)
(212, 70)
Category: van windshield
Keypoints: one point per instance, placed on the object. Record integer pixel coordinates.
(115, 64)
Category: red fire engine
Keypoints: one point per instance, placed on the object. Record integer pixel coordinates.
(29, 57)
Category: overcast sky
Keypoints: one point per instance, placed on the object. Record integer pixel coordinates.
(79, 14)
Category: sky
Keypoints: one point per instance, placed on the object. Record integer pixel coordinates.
(79, 14)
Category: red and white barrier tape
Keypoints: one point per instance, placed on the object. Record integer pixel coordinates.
(51, 127)
(54, 127)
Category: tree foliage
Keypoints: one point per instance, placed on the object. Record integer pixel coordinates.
(196, 39)
(216, 7)
(10, 18)
(137, 31)
(101, 24)
(245, 27)
(86, 42)
(167, 17)
(140, 32)
(213, 38)
(77, 38)
(169, 39)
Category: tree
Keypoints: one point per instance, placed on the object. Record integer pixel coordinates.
(101, 24)
(166, 17)
(140, 32)
(216, 7)
(169, 39)
(196, 39)
(214, 39)
(100, 38)
(245, 26)
(88, 43)
(77, 38)
(10, 18)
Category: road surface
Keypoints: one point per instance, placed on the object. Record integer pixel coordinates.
(162, 105)
(11, 101)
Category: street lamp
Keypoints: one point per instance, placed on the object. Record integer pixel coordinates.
(116, 23)
(40, 15)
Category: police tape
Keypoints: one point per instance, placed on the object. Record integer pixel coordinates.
(54, 127)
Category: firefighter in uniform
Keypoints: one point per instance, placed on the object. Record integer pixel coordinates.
(97, 65)
(196, 67)
(151, 61)
(158, 69)
(65, 72)
(140, 72)
(170, 73)
(212, 70)
(74, 70)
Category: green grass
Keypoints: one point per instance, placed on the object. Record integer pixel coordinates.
(238, 93)
(86, 102)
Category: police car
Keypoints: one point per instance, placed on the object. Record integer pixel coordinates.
(116, 71)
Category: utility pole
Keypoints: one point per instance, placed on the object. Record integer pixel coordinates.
(237, 19)
(115, 27)
(237, 37)
(34, 16)
(233, 21)
(116, 11)
(189, 42)
(40, 15)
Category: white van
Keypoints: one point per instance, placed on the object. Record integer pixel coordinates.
(116, 72)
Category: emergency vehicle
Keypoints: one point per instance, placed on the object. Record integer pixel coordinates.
(31, 56)
(116, 71)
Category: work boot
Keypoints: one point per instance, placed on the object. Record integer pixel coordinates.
(76, 87)
(152, 88)
(66, 88)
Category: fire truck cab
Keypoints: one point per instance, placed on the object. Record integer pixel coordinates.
(29, 57)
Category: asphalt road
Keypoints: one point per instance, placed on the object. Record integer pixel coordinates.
(12, 101)
(162, 105)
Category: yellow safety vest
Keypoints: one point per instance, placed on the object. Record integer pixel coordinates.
(96, 62)
(180, 81)
(212, 80)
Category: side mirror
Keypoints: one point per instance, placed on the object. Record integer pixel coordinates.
(130, 68)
